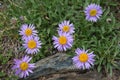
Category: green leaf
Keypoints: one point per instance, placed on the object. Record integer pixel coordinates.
(2, 74)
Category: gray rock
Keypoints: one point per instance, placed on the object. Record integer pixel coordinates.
(57, 63)
(60, 66)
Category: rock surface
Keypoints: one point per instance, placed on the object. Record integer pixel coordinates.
(60, 67)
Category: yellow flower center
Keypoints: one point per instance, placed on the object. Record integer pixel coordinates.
(28, 32)
(62, 40)
(24, 66)
(32, 44)
(83, 57)
(93, 12)
(66, 28)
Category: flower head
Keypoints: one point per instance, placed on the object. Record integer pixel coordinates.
(22, 67)
(93, 12)
(63, 42)
(27, 30)
(83, 59)
(32, 44)
(65, 26)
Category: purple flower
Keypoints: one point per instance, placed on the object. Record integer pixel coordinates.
(66, 26)
(27, 30)
(93, 12)
(32, 44)
(63, 42)
(22, 67)
(83, 59)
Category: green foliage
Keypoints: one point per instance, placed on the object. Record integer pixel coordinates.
(101, 37)
(4, 59)
(2, 74)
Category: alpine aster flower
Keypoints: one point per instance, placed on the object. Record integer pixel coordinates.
(93, 12)
(63, 42)
(83, 59)
(22, 67)
(27, 30)
(32, 44)
(65, 26)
